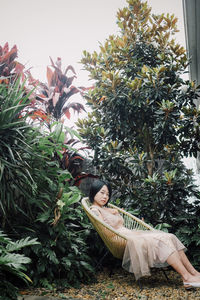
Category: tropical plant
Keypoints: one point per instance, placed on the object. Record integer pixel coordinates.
(48, 102)
(16, 138)
(9, 67)
(63, 251)
(32, 185)
(12, 264)
(53, 99)
(144, 118)
(52, 102)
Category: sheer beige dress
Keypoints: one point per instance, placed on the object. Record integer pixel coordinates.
(144, 249)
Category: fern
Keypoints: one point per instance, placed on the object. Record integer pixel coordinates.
(14, 260)
(15, 246)
(4, 238)
(13, 263)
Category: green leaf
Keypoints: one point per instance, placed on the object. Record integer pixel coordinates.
(70, 198)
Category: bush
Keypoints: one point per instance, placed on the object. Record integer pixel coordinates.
(37, 197)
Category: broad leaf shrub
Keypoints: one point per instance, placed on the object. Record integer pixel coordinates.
(37, 199)
(12, 265)
(144, 119)
(190, 234)
(58, 223)
(63, 253)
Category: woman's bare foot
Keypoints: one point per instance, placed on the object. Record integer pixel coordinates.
(197, 273)
(191, 279)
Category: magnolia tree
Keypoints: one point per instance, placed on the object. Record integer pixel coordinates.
(143, 118)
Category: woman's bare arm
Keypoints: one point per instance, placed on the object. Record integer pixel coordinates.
(97, 212)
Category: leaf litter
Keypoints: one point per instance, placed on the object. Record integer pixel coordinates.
(121, 285)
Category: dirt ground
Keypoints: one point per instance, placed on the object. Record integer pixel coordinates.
(122, 286)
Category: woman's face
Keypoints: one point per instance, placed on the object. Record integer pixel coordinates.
(102, 197)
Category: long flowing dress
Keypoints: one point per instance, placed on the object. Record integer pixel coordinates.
(144, 249)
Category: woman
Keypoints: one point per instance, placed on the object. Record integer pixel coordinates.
(144, 249)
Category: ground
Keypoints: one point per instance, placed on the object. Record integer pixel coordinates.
(122, 286)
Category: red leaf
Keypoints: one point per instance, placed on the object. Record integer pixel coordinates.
(6, 81)
(19, 68)
(76, 106)
(69, 80)
(39, 114)
(77, 157)
(67, 114)
(9, 56)
(79, 177)
(13, 53)
(56, 98)
(31, 80)
(52, 63)
(83, 148)
(49, 76)
(5, 48)
(86, 88)
(69, 68)
(58, 62)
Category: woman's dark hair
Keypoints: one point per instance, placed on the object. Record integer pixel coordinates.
(96, 187)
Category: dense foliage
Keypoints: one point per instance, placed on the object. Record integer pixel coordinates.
(15, 147)
(144, 119)
(38, 199)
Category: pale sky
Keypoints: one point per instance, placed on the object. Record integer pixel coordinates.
(64, 28)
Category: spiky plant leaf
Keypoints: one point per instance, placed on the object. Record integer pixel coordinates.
(17, 245)
(14, 260)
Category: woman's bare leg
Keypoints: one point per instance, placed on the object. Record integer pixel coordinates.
(175, 261)
(187, 264)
